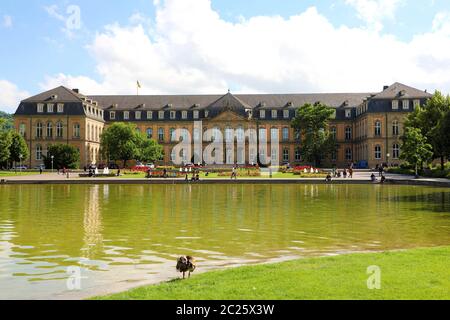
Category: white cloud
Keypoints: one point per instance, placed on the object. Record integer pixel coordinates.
(373, 12)
(7, 21)
(10, 96)
(190, 49)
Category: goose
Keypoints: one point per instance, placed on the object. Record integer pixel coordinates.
(186, 264)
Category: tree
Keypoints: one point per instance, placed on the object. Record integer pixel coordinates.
(312, 122)
(121, 141)
(65, 156)
(18, 148)
(444, 128)
(415, 148)
(428, 119)
(5, 144)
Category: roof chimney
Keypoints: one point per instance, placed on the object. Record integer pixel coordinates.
(385, 88)
(76, 90)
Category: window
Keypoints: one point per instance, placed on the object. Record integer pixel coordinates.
(285, 134)
(348, 133)
(298, 155)
(286, 114)
(22, 129)
(377, 152)
(416, 104)
(378, 128)
(112, 115)
(274, 155)
(196, 134)
(38, 152)
(126, 115)
(405, 104)
(262, 134)
(348, 113)
(395, 128)
(60, 107)
(395, 151)
(76, 130)
(138, 115)
(240, 134)
(173, 115)
(59, 130)
(50, 107)
(394, 104)
(149, 115)
(149, 133)
(185, 134)
(161, 134)
(206, 113)
(161, 115)
(49, 130)
(196, 114)
(262, 114)
(274, 114)
(334, 132)
(348, 154)
(173, 155)
(39, 130)
(40, 107)
(172, 134)
(285, 155)
(228, 134)
(274, 135)
(184, 115)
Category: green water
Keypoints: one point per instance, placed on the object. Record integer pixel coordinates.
(121, 235)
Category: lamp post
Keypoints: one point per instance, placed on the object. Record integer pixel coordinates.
(387, 159)
(20, 162)
(52, 162)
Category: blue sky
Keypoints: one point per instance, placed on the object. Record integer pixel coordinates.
(36, 49)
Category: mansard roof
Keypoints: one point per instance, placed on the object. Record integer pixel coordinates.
(59, 94)
(401, 91)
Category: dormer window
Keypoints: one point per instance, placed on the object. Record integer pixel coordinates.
(149, 115)
(138, 115)
(196, 114)
(161, 115)
(405, 104)
(40, 107)
(126, 115)
(60, 107)
(112, 115)
(184, 115)
(348, 113)
(206, 113)
(394, 104)
(286, 114)
(173, 115)
(50, 107)
(274, 114)
(262, 114)
(416, 104)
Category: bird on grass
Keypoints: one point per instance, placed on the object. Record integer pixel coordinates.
(186, 264)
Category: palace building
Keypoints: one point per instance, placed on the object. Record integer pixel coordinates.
(367, 126)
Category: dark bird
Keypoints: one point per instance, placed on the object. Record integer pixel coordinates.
(186, 264)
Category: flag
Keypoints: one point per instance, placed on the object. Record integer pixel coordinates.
(138, 84)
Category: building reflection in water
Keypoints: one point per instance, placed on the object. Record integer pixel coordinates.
(92, 223)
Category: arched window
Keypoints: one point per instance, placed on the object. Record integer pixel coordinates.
(395, 128)
(378, 128)
(38, 152)
(49, 130)
(161, 134)
(378, 152)
(39, 130)
(348, 133)
(395, 151)
(149, 133)
(59, 130)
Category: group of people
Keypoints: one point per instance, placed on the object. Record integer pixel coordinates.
(344, 173)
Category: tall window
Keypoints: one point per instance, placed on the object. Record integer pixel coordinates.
(228, 134)
(274, 154)
(285, 155)
(196, 134)
(378, 128)
(22, 129)
(59, 130)
(262, 134)
(240, 134)
(76, 130)
(348, 154)
(334, 132)
(39, 130)
(161, 134)
(149, 133)
(377, 152)
(395, 128)
(38, 152)
(285, 134)
(395, 151)
(172, 134)
(348, 133)
(274, 134)
(49, 130)
(298, 155)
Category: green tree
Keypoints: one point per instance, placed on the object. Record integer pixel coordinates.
(444, 128)
(415, 148)
(5, 144)
(317, 142)
(150, 150)
(65, 156)
(19, 148)
(428, 119)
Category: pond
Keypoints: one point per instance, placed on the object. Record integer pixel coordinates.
(120, 236)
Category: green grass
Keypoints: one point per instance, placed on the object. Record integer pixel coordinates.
(18, 173)
(277, 175)
(412, 274)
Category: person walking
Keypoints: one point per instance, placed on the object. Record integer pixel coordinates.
(350, 172)
(233, 174)
(40, 170)
(380, 171)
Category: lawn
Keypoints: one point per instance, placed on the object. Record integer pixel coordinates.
(275, 175)
(412, 274)
(18, 173)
